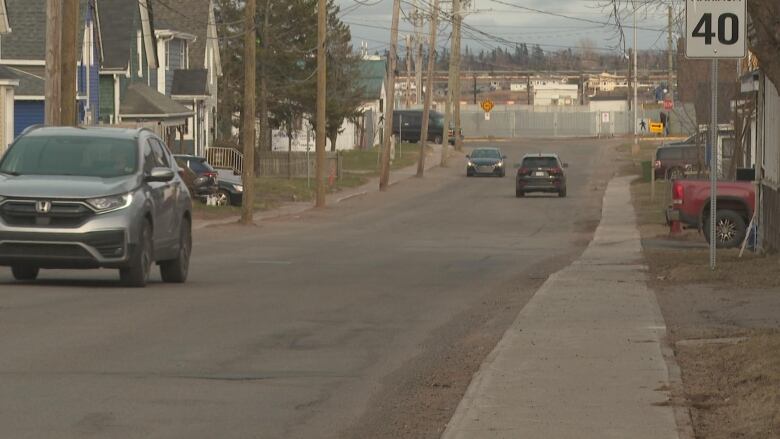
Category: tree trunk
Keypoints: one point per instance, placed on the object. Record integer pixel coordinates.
(332, 139)
(766, 47)
(264, 144)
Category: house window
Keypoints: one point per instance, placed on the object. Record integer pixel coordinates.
(140, 46)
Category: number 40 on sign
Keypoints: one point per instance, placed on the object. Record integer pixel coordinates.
(716, 28)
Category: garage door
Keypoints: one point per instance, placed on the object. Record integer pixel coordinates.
(27, 113)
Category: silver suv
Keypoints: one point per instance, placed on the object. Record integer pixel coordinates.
(94, 198)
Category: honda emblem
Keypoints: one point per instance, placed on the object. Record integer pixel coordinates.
(43, 206)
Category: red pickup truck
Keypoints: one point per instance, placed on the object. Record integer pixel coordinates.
(736, 204)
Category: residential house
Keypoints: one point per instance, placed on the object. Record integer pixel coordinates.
(556, 95)
(768, 163)
(22, 52)
(373, 75)
(609, 102)
(189, 65)
(606, 82)
(129, 76)
(363, 133)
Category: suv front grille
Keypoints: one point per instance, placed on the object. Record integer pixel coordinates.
(109, 243)
(22, 213)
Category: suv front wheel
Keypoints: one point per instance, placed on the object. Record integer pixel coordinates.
(176, 270)
(136, 274)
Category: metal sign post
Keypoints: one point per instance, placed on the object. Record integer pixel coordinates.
(715, 29)
(714, 166)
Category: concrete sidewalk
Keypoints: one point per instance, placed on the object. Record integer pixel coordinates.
(584, 357)
(432, 160)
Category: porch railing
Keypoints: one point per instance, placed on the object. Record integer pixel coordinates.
(229, 158)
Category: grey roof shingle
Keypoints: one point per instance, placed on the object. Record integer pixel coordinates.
(29, 84)
(27, 39)
(140, 99)
(118, 19)
(189, 16)
(193, 82)
(8, 73)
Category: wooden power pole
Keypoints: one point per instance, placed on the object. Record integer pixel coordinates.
(53, 74)
(70, 22)
(384, 176)
(457, 19)
(322, 84)
(670, 61)
(429, 92)
(248, 113)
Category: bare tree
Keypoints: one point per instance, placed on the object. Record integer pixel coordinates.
(764, 28)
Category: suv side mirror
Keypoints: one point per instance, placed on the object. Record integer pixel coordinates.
(503, 157)
(468, 156)
(162, 175)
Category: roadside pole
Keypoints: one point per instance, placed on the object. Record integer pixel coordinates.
(322, 83)
(53, 72)
(384, 176)
(248, 113)
(456, 36)
(635, 79)
(70, 14)
(714, 165)
(429, 91)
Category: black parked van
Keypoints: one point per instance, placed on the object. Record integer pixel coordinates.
(407, 125)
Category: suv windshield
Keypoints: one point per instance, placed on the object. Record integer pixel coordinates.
(540, 162)
(82, 156)
(200, 166)
(485, 154)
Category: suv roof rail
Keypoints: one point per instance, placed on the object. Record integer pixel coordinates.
(31, 128)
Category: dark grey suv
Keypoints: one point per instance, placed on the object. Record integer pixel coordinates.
(94, 198)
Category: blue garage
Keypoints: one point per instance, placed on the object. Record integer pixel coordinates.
(27, 113)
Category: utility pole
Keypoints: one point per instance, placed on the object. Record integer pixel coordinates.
(53, 74)
(457, 19)
(322, 84)
(670, 61)
(635, 148)
(248, 114)
(429, 92)
(70, 14)
(409, 71)
(418, 41)
(475, 89)
(384, 176)
(265, 137)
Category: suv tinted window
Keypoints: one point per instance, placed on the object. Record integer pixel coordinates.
(540, 162)
(160, 158)
(72, 155)
(149, 161)
(670, 154)
(200, 166)
(485, 154)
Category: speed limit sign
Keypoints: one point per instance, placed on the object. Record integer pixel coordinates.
(716, 29)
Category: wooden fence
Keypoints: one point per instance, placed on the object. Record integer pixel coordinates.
(297, 164)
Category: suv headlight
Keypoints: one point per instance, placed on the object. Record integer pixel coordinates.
(238, 188)
(109, 204)
(500, 164)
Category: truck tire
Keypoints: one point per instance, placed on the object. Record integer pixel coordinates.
(730, 229)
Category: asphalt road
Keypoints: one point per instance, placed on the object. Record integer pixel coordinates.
(363, 320)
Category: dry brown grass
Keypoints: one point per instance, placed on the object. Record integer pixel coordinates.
(733, 390)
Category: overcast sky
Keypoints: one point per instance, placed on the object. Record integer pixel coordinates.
(370, 22)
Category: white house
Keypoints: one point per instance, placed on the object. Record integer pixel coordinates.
(556, 94)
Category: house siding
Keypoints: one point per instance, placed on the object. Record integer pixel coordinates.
(106, 98)
(26, 114)
(770, 191)
(175, 55)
